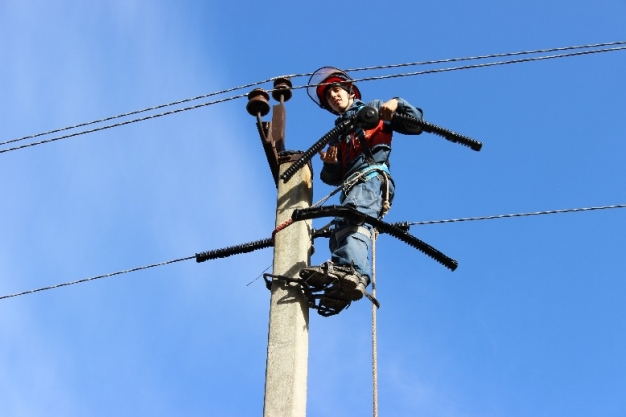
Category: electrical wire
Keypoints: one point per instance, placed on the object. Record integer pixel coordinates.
(473, 58)
(305, 86)
(141, 119)
(466, 67)
(65, 284)
(501, 216)
(409, 74)
(506, 216)
(119, 116)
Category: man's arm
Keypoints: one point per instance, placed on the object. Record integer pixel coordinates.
(398, 105)
(331, 172)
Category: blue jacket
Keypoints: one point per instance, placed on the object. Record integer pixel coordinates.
(350, 157)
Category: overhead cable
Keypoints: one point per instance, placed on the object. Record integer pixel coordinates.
(506, 216)
(488, 64)
(119, 116)
(219, 253)
(65, 284)
(431, 62)
(375, 78)
(127, 122)
(473, 58)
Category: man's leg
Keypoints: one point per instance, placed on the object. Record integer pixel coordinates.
(350, 243)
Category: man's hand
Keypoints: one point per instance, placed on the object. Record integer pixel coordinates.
(330, 156)
(386, 110)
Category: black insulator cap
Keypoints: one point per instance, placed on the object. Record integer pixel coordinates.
(258, 102)
(367, 117)
(282, 88)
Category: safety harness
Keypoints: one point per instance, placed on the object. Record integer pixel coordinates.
(375, 136)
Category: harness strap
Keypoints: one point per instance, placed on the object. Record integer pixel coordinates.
(386, 205)
(365, 175)
(365, 148)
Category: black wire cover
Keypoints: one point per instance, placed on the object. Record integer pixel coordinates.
(357, 217)
(409, 121)
(317, 146)
(234, 250)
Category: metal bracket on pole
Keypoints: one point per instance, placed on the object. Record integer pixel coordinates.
(272, 133)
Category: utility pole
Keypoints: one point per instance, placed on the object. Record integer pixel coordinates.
(288, 338)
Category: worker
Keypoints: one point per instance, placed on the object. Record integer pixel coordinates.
(358, 161)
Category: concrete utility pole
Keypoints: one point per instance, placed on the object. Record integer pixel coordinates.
(288, 339)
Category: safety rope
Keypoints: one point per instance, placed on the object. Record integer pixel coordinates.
(386, 206)
(374, 329)
(280, 227)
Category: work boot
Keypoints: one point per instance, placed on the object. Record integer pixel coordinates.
(319, 277)
(351, 283)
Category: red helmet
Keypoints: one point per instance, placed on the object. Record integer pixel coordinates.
(326, 77)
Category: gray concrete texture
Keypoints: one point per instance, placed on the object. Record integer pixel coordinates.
(288, 339)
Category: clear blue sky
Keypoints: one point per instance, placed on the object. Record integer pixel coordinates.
(530, 324)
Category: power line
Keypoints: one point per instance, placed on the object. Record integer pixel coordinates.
(376, 78)
(141, 119)
(500, 55)
(473, 66)
(119, 116)
(501, 216)
(65, 284)
(506, 216)
(448, 60)
(489, 64)
(254, 84)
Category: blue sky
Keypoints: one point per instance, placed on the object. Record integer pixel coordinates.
(530, 324)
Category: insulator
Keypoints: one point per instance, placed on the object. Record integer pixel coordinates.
(258, 102)
(282, 88)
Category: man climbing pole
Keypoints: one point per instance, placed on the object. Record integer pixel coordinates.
(358, 161)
